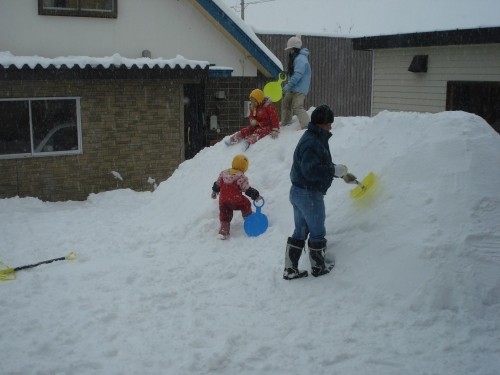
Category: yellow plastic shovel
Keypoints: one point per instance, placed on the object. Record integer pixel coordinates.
(274, 89)
(364, 186)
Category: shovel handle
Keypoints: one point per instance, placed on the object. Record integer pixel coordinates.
(360, 184)
(70, 256)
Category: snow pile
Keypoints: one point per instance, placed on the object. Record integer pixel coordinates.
(416, 288)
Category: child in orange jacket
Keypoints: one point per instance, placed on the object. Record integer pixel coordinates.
(231, 184)
(263, 120)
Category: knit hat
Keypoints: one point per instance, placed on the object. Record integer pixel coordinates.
(294, 42)
(240, 163)
(257, 95)
(322, 115)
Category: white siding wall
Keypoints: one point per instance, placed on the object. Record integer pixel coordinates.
(165, 27)
(397, 89)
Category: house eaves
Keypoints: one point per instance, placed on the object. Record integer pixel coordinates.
(116, 66)
(237, 32)
(429, 39)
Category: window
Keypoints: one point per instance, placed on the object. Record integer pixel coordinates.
(78, 8)
(39, 127)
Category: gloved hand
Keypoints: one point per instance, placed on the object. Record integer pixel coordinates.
(258, 198)
(349, 178)
(340, 170)
(254, 122)
(274, 133)
(214, 195)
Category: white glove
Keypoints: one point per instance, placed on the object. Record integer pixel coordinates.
(254, 122)
(274, 134)
(340, 170)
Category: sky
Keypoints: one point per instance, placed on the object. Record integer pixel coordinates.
(415, 289)
(357, 18)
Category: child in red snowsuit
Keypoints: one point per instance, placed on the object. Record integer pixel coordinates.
(231, 185)
(263, 120)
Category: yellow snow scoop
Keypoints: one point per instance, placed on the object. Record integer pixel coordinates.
(363, 186)
(274, 89)
(7, 273)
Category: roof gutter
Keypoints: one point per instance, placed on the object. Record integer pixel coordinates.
(235, 34)
(429, 39)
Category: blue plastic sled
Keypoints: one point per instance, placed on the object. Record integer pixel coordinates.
(256, 223)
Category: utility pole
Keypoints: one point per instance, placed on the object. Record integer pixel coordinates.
(243, 6)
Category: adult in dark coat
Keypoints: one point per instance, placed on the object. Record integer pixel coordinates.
(311, 175)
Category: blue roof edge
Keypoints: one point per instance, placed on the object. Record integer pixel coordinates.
(220, 16)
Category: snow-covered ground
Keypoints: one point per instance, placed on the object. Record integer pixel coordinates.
(416, 288)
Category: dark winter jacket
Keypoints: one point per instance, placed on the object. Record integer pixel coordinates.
(312, 167)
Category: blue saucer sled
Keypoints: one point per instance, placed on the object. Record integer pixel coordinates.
(256, 223)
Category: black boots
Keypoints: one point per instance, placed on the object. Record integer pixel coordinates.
(292, 255)
(317, 251)
(317, 257)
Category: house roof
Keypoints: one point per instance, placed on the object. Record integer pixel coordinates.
(428, 39)
(7, 59)
(114, 66)
(241, 35)
(220, 15)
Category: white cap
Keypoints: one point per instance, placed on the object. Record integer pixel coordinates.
(294, 42)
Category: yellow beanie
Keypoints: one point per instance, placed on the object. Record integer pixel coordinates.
(240, 163)
(257, 95)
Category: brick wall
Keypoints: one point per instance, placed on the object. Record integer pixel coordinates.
(131, 126)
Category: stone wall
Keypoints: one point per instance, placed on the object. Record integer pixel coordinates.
(131, 126)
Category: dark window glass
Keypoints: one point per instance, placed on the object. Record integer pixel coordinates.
(51, 120)
(14, 127)
(31, 127)
(78, 8)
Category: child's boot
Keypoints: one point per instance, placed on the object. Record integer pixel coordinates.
(292, 255)
(224, 230)
(229, 141)
(235, 138)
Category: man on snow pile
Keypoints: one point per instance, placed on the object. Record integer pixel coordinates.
(231, 183)
(263, 120)
(312, 175)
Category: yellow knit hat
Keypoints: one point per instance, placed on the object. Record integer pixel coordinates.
(240, 163)
(257, 95)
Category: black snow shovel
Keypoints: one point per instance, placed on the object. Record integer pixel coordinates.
(7, 273)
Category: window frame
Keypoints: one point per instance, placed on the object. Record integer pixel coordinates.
(42, 11)
(40, 154)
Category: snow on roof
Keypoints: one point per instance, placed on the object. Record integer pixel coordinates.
(246, 29)
(7, 59)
